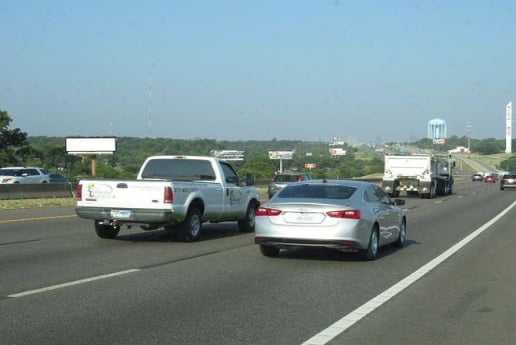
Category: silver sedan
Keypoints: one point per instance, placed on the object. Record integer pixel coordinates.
(346, 215)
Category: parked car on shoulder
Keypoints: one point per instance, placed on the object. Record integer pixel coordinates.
(282, 179)
(24, 175)
(58, 178)
(508, 181)
(345, 215)
(477, 177)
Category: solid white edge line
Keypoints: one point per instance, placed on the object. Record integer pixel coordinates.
(76, 282)
(350, 319)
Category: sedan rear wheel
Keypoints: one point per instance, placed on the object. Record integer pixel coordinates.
(270, 251)
(402, 237)
(371, 253)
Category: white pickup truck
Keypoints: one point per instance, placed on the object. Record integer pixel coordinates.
(177, 193)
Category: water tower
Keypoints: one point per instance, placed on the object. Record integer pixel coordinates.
(437, 129)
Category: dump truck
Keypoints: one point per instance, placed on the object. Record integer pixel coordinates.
(425, 175)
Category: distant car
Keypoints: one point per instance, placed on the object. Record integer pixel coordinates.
(24, 175)
(489, 178)
(281, 180)
(346, 215)
(508, 181)
(477, 177)
(57, 178)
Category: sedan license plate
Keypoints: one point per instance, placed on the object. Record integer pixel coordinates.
(303, 218)
(120, 213)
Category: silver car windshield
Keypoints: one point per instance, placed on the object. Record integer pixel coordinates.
(317, 191)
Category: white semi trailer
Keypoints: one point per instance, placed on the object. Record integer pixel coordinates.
(423, 175)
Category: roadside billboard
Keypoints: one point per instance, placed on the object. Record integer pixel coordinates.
(91, 145)
(229, 155)
(281, 154)
(337, 152)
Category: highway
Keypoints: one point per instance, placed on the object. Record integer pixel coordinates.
(60, 284)
(477, 165)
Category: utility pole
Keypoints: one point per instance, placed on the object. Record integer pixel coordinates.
(468, 133)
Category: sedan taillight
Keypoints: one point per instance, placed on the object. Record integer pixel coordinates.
(265, 211)
(347, 214)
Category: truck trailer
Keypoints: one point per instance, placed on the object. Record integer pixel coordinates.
(423, 174)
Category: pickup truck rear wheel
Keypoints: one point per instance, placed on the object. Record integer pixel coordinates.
(106, 231)
(190, 229)
(247, 223)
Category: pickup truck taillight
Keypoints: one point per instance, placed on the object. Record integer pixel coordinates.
(78, 192)
(168, 196)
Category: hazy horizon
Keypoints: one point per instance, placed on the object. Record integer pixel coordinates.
(242, 70)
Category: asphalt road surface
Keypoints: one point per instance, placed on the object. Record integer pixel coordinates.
(60, 284)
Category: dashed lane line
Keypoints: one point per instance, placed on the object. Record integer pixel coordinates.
(35, 219)
(75, 282)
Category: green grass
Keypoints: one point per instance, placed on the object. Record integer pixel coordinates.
(36, 203)
(493, 160)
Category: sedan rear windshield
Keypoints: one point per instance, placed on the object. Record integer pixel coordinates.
(505, 177)
(317, 191)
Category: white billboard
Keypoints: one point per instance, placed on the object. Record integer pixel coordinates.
(337, 151)
(229, 155)
(281, 154)
(92, 145)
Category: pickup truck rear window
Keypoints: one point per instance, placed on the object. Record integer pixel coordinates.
(179, 170)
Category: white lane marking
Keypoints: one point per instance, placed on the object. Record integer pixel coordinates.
(349, 320)
(35, 218)
(76, 282)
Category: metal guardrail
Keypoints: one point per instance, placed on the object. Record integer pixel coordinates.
(35, 191)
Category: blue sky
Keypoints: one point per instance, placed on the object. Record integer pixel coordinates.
(257, 70)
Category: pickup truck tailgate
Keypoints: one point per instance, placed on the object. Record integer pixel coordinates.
(124, 194)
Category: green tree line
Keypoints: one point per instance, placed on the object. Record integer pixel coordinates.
(18, 148)
(131, 152)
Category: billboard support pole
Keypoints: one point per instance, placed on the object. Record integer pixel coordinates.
(93, 165)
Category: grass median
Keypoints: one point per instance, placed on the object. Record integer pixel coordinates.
(35, 203)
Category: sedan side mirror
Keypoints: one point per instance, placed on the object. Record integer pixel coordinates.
(399, 202)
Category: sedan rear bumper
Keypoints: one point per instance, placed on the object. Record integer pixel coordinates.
(296, 242)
